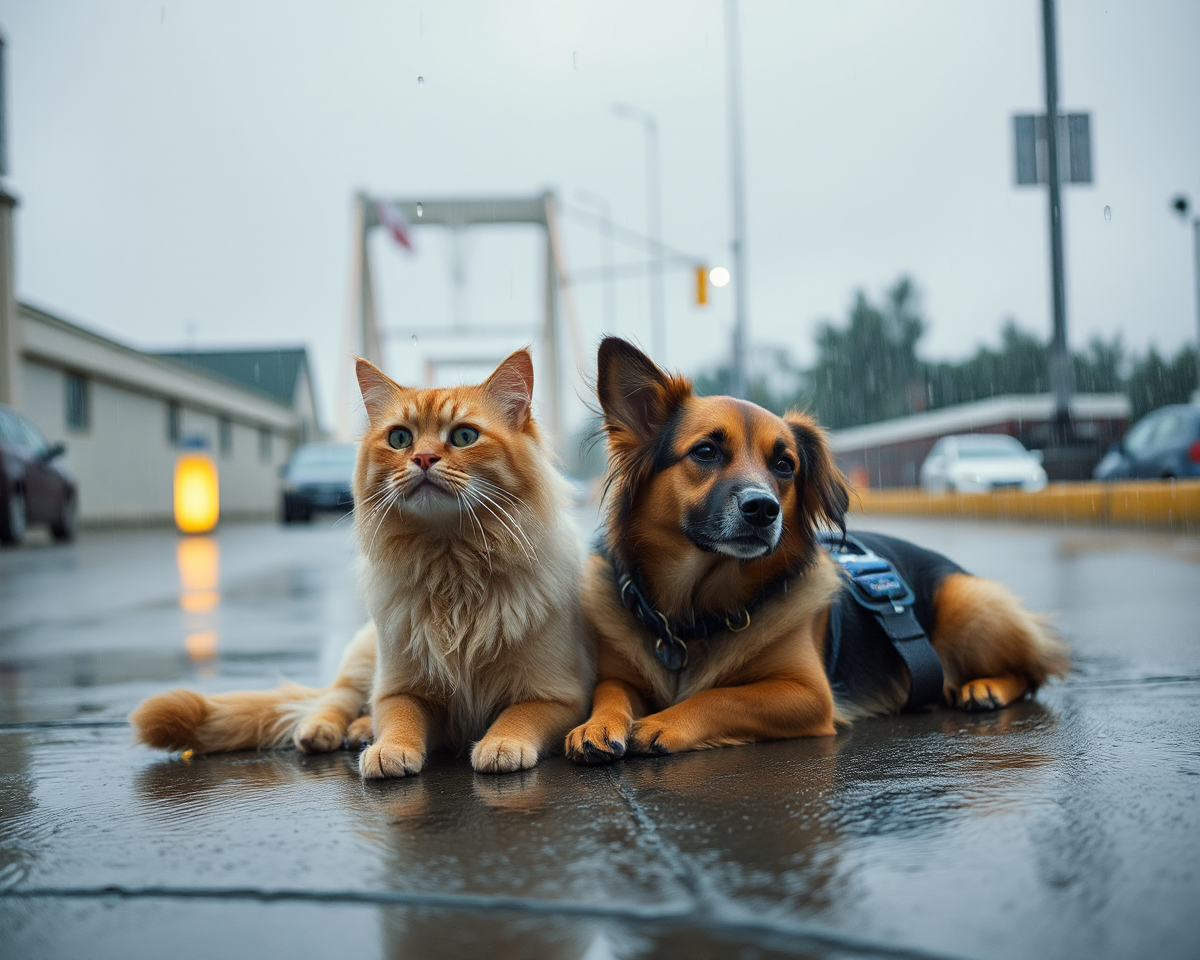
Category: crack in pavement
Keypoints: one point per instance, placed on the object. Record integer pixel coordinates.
(811, 934)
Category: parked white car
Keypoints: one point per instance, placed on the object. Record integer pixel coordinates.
(981, 462)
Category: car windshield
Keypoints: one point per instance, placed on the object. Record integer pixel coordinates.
(326, 455)
(977, 448)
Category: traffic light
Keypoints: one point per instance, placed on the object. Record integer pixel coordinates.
(701, 285)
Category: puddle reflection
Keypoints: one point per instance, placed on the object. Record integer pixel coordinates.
(198, 558)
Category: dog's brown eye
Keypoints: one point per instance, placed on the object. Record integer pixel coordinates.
(784, 467)
(704, 452)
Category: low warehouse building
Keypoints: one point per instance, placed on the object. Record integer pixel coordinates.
(122, 413)
(890, 453)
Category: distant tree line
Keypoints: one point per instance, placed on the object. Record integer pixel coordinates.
(869, 369)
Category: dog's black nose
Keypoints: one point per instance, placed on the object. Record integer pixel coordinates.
(759, 509)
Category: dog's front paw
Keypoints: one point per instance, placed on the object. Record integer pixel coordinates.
(360, 732)
(318, 735)
(382, 760)
(651, 736)
(499, 754)
(978, 695)
(596, 743)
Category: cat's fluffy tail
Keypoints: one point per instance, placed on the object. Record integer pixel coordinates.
(249, 720)
(317, 719)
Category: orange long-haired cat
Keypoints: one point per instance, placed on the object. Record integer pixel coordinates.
(471, 571)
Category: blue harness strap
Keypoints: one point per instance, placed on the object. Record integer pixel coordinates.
(876, 585)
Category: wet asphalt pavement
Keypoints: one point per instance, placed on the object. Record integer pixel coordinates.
(1064, 827)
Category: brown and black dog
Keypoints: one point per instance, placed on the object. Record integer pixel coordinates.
(711, 501)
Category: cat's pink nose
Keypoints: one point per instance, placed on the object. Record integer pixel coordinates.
(425, 460)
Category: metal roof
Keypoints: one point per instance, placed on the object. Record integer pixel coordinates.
(965, 417)
(273, 372)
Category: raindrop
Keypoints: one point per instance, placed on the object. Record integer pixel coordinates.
(421, 82)
(575, 59)
(414, 338)
(1108, 214)
(420, 210)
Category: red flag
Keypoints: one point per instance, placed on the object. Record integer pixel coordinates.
(392, 218)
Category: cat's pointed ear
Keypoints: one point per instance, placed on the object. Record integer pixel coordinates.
(511, 387)
(637, 396)
(377, 388)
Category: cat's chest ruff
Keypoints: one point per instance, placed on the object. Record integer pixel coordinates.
(455, 601)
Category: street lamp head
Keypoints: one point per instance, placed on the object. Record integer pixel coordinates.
(718, 276)
(1180, 204)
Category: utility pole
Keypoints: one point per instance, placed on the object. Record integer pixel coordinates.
(740, 383)
(1181, 205)
(11, 324)
(1060, 358)
(1196, 265)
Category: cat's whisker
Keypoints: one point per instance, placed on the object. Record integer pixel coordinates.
(508, 522)
(508, 530)
(509, 500)
(464, 502)
(365, 508)
(514, 525)
(382, 509)
(497, 490)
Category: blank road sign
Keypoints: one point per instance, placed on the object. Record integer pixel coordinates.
(1074, 148)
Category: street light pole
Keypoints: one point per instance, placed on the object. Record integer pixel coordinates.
(1060, 360)
(654, 245)
(1196, 265)
(610, 273)
(1182, 205)
(739, 385)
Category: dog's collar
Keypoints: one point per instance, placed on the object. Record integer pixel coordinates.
(672, 636)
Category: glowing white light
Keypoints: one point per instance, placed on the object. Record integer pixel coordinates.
(718, 276)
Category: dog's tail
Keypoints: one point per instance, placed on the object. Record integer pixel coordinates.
(248, 720)
(316, 718)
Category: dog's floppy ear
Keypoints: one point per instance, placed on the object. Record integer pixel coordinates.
(636, 395)
(823, 492)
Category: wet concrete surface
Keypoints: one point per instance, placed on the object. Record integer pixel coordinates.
(1064, 827)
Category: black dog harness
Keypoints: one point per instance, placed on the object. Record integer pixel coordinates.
(879, 572)
(878, 588)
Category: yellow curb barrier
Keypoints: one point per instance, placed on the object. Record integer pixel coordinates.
(1172, 504)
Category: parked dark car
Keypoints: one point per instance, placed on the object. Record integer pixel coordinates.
(35, 486)
(318, 478)
(1164, 443)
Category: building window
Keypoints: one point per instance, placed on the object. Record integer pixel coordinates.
(225, 436)
(174, 419)
(264, 444)
(77, 401)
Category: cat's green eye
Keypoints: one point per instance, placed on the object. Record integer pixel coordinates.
(463, 436)
(399, 438)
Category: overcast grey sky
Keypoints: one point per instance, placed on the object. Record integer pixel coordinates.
(193, 163)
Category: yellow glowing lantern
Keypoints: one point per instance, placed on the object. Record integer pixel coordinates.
(197, 496)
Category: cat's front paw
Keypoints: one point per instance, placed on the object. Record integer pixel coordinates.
(382, 760)
(593, 742)
(318, 735)
(496, 754)
(360, 732)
